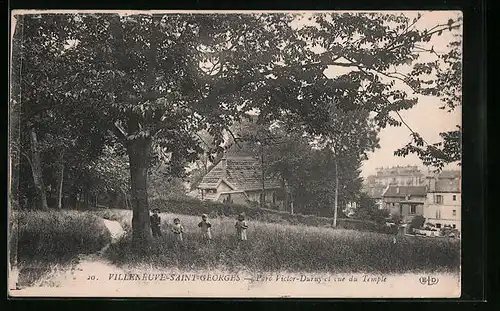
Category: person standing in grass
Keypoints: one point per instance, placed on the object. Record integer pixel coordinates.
(205, 227)
(155, 223)
(178, 229)
(241, 228)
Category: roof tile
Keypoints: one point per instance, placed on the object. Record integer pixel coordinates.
(244, 173)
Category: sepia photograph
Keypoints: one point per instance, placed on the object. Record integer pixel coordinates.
(235, 154)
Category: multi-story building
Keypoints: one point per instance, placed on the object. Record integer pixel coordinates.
(443, 206)
(375, 185)
(399, 175)
(405, 201)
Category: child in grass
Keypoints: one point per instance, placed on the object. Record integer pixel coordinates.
(241, 228)
(155, 223)
(205, 227)
(178, 229)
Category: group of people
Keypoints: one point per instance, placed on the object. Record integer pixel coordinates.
(204, 225)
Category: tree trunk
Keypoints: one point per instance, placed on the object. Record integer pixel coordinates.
(336, 195)
(285, 196)
(138, 151)
(73, 199)
(36, 168)
(125, 199)
(60, 180)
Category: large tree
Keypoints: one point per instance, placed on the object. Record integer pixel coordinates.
(157, 79)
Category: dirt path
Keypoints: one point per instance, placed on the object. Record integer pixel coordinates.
(86, 266)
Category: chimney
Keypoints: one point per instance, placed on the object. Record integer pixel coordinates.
(432, 184)
(223, 162)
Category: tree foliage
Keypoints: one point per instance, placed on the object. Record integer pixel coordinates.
(446, 83)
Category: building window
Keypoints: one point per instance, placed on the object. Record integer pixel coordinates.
(401, 210)
(454, 197)
(454, 226)
(413, 209)
(438, 226)
(454, 212)
(438, 199)
(438, 214)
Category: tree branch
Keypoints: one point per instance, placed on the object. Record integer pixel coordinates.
(120, 131)
(234, 138)
(397, 112)
(203, 141)
(27, 158)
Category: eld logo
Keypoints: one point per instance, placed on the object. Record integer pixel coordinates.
(428, 280)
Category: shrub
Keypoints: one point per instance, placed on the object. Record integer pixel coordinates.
(372, 214)
(417, 222)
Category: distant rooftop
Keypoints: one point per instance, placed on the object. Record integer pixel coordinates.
(399, 171)
(447, 185)
(374, 192)
(449, 174)
(403, 191)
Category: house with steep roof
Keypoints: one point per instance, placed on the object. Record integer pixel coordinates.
(405, 201)
(239, 179)
(443, 208)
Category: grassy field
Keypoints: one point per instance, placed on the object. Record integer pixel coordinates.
(278, 247)
(49, 241)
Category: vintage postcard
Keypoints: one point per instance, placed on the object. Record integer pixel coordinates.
(235, 154)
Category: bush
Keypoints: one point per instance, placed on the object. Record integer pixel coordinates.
(417, 222)
(372, 214)
(58, 235)
(279, 247)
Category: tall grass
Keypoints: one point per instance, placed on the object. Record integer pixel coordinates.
(46, 240)
(273, 247)
(191, 206)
